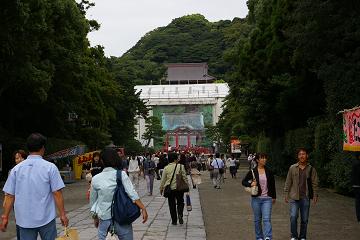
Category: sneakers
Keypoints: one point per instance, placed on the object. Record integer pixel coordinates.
(293, 239)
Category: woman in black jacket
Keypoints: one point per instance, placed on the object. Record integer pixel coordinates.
(263, 201)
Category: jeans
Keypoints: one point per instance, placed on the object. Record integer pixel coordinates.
(134, 177)
(124, 232)
(47, 232)
(304, 206)
(149, 182)
(262, 216)
(176, 205)
(17, 232)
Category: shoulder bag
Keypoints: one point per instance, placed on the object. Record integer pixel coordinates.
(253, 189)
(123, 210)
(221, 170)
(181, 185)
(167, 189)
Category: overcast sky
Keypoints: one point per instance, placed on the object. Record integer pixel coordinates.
(124, 22)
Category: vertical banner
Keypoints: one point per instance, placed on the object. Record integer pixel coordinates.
(351, 129)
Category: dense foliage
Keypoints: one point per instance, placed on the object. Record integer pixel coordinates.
(53, 82)
(190, 38)
(296, 67)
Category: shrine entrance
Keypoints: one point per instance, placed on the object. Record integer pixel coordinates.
(183, 138)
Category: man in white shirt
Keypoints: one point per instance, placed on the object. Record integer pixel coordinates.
(218, 166)
(134, 170)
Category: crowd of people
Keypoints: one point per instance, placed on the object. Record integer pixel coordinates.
(109, 172)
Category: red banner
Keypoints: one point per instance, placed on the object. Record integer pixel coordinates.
(351, 127)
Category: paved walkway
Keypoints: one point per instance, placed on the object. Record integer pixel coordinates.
(157, 227)
(228, 214)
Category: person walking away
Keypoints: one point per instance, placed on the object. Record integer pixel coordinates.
(163, 162)
(218, 166)
(232, 166)
(184, 161)
(149, 172)
(176, 198)
(223, 175)
(301, 186)
(32, 217)
(156, 160)
(134, 171)
(263, 201)
(209, 167)
(203, 161)
(195, 175)
(101, 196)
(355, 180)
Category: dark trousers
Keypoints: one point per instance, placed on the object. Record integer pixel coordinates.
(357, 202)
(176, 205)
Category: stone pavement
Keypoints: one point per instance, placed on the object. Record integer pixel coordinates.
(332, 218)
(157, 227)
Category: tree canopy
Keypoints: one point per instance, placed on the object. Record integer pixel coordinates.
(53, 82)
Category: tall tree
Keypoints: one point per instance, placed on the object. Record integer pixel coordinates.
(153, 130)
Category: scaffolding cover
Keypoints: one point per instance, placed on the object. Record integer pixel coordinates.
(172, 121)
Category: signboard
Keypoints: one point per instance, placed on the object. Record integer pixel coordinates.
(235, 145)
(66, 153)
(79, 161)
(351, 127)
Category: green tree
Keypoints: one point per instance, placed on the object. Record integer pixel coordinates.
(153, 130)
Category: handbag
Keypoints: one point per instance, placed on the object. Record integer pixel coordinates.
(123, 210)
(253, 189)
(181, 185)
(221, 170)
(88, 176)
(167, 189)
(69, 234)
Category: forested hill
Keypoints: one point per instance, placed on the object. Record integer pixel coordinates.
(189, 38)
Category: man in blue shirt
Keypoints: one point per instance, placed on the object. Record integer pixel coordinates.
(34, 188)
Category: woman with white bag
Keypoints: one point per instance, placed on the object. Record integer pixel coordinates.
(261, 200)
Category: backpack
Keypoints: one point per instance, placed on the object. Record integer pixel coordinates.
(123, 210)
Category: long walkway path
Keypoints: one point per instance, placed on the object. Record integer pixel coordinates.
(228, 215)
(158, 226)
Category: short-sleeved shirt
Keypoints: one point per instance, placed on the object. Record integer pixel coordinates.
(217, 163)
(33, 182)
